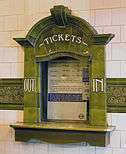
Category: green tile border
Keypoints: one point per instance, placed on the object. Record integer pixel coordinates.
(116, 95)
(11, 94)
(116, 81)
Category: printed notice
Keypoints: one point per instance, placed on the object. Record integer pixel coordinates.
(68, 90)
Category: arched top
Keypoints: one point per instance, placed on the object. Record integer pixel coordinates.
(61, 18)
(52, 56)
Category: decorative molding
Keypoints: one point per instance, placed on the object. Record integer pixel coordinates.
(11, 94)
(61, 17)
(102, 39)
(116, 95)
(23, 42)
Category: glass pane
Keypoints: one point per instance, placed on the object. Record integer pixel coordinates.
(68, 89)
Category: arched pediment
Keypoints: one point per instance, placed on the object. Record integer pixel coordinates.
(61, 20)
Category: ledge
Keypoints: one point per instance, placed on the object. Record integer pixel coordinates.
(100, 39)
(23, 42)
(63, 132)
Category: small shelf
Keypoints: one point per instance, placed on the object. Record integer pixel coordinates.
(63, 133)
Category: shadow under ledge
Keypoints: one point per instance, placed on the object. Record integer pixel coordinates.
(63, 133)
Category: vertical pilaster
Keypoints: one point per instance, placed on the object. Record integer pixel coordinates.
(30, 95)
(98, 86)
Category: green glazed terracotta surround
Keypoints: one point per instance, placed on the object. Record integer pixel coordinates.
(63, 35)
(63, 133)
(39, 50)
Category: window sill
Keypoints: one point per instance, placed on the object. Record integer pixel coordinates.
(63, 132)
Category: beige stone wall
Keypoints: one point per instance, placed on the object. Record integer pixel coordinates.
(16, 19)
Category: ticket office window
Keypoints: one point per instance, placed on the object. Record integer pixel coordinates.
(64, 90)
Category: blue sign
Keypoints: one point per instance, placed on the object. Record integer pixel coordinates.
(64, 97)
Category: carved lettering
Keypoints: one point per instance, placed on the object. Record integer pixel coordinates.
(61, 38)
(73, 37)
(67, 37)
(29, 85)
(45, 40)
(79, 40)
(54, 38)
(98, 85)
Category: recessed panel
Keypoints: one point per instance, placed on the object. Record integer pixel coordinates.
(68, 89)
